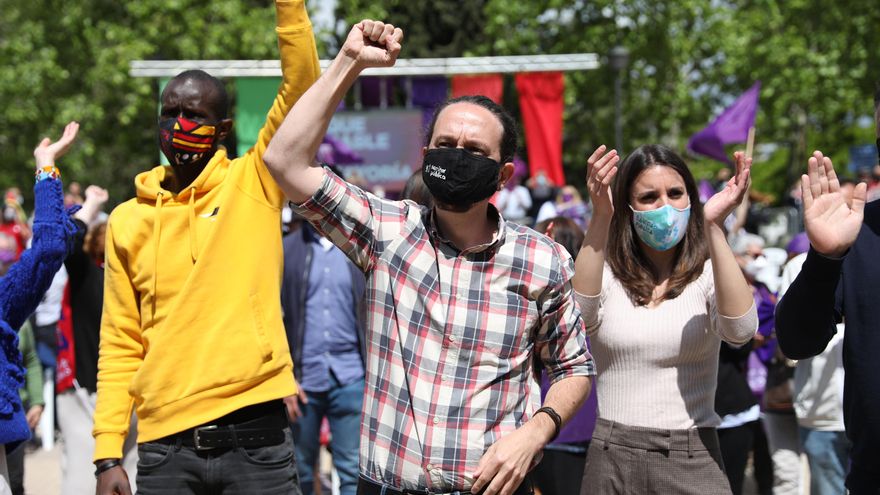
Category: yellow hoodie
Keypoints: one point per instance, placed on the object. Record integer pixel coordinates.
(191, 328)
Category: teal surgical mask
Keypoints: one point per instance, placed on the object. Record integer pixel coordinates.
(662, 228)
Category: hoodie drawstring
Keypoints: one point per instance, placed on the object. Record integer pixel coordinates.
(157, 231)
(193, 235)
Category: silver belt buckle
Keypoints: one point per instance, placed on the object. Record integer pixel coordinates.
(196, 432)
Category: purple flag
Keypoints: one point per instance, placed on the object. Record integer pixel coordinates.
(732, 126)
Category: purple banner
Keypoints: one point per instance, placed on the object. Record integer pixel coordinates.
(389, 143)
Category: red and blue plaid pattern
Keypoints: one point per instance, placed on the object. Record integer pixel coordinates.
(451, 335)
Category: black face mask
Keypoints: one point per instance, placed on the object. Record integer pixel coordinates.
(459, 178)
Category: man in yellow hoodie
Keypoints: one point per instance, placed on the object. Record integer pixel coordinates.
(191, 332)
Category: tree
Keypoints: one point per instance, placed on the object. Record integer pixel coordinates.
(70, 61)
(689, 58)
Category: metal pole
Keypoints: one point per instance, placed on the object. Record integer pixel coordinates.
(383, 93)
(408, 86)
(358, 103)
(618, 112)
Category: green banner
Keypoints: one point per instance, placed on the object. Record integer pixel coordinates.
(253, 99)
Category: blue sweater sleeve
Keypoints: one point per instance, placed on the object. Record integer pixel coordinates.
(807, 314)
(28, 279)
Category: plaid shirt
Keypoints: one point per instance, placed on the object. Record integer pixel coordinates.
(450, 334)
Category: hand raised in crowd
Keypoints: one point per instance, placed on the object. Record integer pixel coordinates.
(601, 169)
(831, 224)
(47, 152)
(97, 195)
(722, 203)
(373, 43)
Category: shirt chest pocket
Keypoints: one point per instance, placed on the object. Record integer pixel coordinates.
(509, 324)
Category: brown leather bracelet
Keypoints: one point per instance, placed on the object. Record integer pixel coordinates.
(557, 420)
(106, 465)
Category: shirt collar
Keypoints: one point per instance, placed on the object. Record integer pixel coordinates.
(324, 243)
(497, 238)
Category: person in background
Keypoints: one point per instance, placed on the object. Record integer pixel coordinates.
(839, 278)
(818, 395)
(657, 307)
(31, 400)
(78, 374)
(23, 285)
(416, 190)
(739, 412)
(74, 195)
(322, 297)
(562, 466)
(13, 222)
(542, 191)
(568, 204)
(514, 200)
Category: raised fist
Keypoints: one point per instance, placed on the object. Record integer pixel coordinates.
(97, 194)
(373, 44)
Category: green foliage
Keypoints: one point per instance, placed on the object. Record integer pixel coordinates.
(433, 29)
(688, 59)
(70, 60)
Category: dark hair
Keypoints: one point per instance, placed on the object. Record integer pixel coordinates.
(416, 190)
(220, 105)
(508, 137)
(628, 261)
(565, 231)
(93, 243)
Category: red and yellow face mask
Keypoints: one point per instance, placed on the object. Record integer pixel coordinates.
(184, 141)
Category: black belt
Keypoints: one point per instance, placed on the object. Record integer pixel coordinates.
(367, 487)
(259, 425)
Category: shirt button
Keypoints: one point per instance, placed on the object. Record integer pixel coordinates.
(327, 270)
(429, 467)
(452, 338)
(436, 420)
(443, 378)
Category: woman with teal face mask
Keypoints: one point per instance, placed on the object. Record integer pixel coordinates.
(657, 307)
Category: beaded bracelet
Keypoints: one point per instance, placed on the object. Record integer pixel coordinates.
(47, 172)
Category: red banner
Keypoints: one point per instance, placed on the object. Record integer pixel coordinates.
(541, 103)
(489, 85)
(65, 371)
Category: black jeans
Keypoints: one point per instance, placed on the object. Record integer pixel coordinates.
(15, 465)
(177, 469)
(367, 487)
(560, 472)
(736, 444)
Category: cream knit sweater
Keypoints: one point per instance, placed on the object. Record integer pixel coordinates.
(658, 367)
